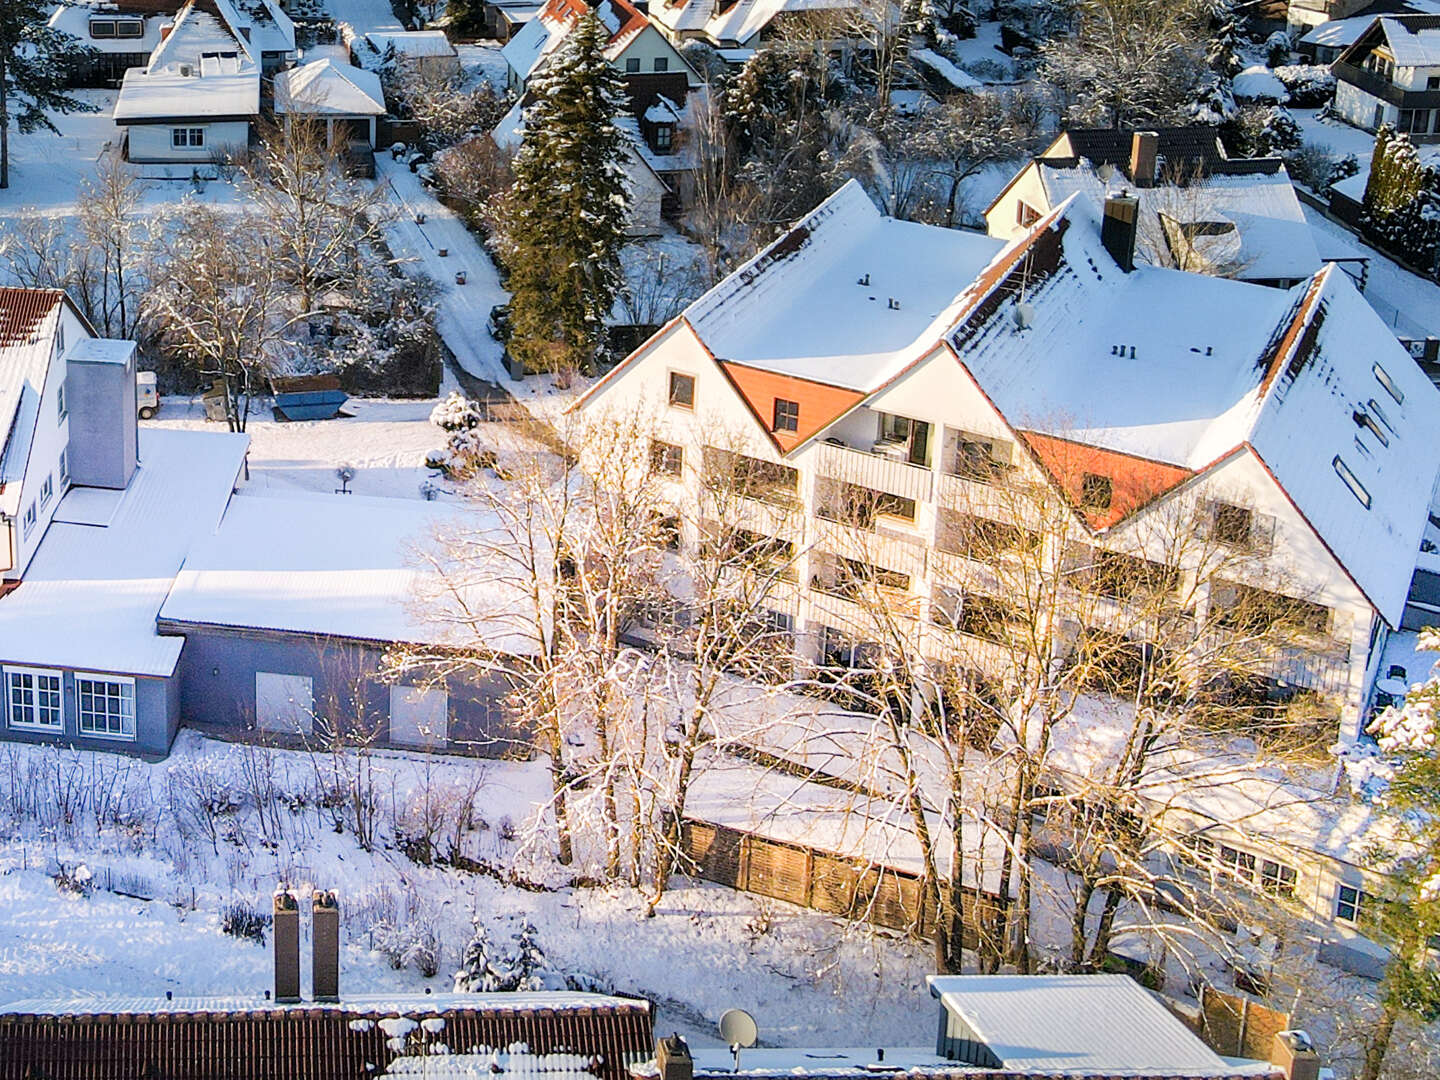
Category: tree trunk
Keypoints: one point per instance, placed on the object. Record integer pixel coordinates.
(1079, 920)
(4, 123)
(1378, 1043)
(1101, 949)
(667, 856)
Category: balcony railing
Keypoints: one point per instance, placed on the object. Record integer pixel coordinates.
(1384, 89)
(874, 470)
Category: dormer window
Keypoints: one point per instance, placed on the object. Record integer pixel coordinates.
(1096, 491)
(664, 138)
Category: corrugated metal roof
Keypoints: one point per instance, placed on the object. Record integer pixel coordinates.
(1081, 1025)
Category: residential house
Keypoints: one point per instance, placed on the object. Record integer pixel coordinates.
(661, 88)
(346, 99)
(1304, 15)
(1391, 75)
(504, 18)
(1019, 1027)
(1200, 209)
(738, 27)
(195, 100)
(429, 50)
(918, 367)
(1324, 43)
(124, 33)
(138, 594)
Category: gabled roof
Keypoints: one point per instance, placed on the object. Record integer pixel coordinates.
(204, 69)
(737, 21)
(202, 27)
(1155, 375)
(324, 87)
(1411, 40)
(28, 318)
(541, 36)
(412, 43)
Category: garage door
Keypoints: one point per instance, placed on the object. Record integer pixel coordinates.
(419, 716)
(284, 703)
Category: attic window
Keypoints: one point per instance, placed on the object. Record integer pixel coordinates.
(682, 390)
(1384, 379)
(1025, 214)
(1096, 491)
(787, 415)
(1352, 482)
(632, 65)
(1232, 524)
(1374, 408)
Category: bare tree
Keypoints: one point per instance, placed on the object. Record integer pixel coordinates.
(108, 209)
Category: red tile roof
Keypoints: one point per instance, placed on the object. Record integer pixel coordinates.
(21, 312)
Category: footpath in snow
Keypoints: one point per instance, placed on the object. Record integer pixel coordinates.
(463, 309)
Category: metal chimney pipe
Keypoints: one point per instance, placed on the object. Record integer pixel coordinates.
(287, 947)
(325, 945)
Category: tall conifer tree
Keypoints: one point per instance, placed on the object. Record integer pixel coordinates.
(568, 206)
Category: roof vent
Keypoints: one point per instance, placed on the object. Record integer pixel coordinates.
(864, 280)
(894, 304)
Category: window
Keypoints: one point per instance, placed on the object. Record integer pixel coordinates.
(1433, 82)
(47, 491)
(1369, 423)
(1351, 903)
(1416, 121)
(1231, 524)
(662, 63)
(105, 706)
(29, 522)
(61, 408)
(1352, 482)
(753, 478)
(183, 137)
(664, 137)
(60, 339)
(668, 529)
(1383, 378)
(682, 390)
(34, 698)
(666, 458)
(1276, 878)
(129, 28)
(632, 65)
(980, 538)
(787, 415)
(102, 28)
(1025, 214)
(1249, 610)
(978, 458)
(1095, 491)
(284, 703)
(64, 466)
(1240, 864)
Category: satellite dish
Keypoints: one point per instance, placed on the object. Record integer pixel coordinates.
(737, 1028)
(1024, 315)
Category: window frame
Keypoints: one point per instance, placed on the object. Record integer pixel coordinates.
(64, 466)
(632, 65)
(662, 63)
(62, 407)
(666, 459)
(28, 521)
(127, 725)
(786, 415)
(34, 705)
(129, 29)
(680, 378)
(95, 24)
(1356, 903)
(187, 138)
(664, 137)
(1091, 484)
(47, 490)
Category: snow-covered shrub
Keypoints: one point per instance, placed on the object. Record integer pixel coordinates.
(1258, 84)
(1313, 165)
(1213, 101)
(1277, 49)
(456, 413)
(75, 880)
(241, 920)
(986, 70)
(1310, 85)
(1263, 131)
(1343, 169)
(509, 958)
(411, 943)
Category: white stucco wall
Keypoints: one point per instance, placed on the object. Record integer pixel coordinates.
(151, 142)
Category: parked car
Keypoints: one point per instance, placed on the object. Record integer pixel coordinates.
(147, 397)
(359, 159)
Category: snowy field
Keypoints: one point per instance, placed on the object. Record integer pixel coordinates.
(137, 828)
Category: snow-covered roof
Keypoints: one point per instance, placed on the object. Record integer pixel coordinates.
(1164, 371)
(412, 43)
(90, 596)
(542, 35)
(737, 23)
(1414, 40)
(28, 318)
(324, 87)
(203, 69)
(800, 308)
(519, 1001)
(933, 61)
(1097, 1025)
(1259, 82)
(1342, 33)
(74, 18)
(336, 565)
(1270, 238)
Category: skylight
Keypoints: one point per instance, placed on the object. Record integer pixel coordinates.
(1352, 482)
(1390, 388)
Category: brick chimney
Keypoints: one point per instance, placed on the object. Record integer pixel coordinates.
(287, 947)
(1294, 1055)
(1144, 158)
(325, 945)
(1118, 228)
(672, 1056)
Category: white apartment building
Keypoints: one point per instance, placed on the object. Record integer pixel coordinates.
(924, 366)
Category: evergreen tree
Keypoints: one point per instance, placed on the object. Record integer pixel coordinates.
(35, 64)
(1221, 51)
(567, 209)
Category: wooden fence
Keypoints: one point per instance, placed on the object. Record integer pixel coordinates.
(822, 880)
(1238, 1027)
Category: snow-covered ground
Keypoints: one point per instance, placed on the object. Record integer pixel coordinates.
(1408, 303)
(137, 831)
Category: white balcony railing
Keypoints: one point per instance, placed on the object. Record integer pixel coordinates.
(878, 471)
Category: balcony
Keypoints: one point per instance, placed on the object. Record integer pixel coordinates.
(880, 468)
(1379, 87)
